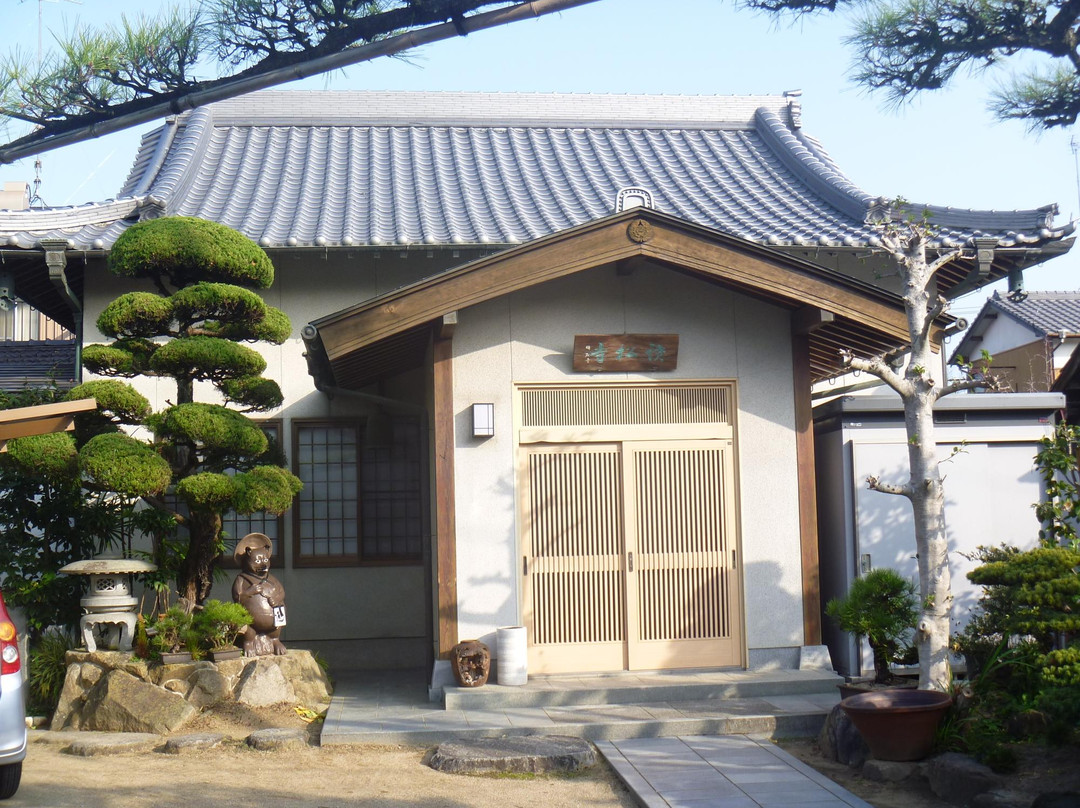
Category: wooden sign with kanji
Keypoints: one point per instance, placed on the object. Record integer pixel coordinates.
(598, 353)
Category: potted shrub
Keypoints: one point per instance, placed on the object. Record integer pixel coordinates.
(218, 625)
(172, 635)
(880, 606)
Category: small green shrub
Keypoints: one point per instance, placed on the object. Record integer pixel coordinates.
(881, 607)
(47, 670)
(171, 631)
(219, 623)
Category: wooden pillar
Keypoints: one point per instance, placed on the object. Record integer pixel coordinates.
(803, 323)
(446, 542)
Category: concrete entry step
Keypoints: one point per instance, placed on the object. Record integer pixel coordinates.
(636, 688)
(393, 709)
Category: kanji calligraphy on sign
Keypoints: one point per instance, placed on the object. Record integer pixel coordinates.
(597, 353)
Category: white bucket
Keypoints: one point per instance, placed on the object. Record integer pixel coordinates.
(513, 667)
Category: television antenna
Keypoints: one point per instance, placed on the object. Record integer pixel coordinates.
(35, 196)
(40, 25)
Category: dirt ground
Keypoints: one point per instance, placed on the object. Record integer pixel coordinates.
(385, 777)
(238, 776)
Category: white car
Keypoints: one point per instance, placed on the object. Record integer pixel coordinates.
(12, 707)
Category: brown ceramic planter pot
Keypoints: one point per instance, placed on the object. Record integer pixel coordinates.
(228, 653)
(899, 723)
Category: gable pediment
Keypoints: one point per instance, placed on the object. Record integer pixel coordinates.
(863, 318)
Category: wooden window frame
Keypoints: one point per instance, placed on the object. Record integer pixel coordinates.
(306, 561)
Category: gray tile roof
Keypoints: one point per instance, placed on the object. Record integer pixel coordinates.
(1045, 313)
(379, 168)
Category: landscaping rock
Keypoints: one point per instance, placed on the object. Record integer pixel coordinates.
(122, 703)
(277, 738)
(263, 683)
(90, 745)
(959, 778)
(1028, 723)
(888, 771)
(309, 681)
(1060, 800)
(292, 678)
(840, 741)
(999, 798)
(208, 687)
(72, 698)
(534, 753)
(195, 742)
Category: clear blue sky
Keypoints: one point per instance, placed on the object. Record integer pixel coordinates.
(942, 149)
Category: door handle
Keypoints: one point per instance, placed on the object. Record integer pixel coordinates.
(630, 562)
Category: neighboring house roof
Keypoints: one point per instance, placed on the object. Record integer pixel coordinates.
(1044, 313)
(36, 362)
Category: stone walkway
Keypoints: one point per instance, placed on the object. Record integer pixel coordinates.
(728, 771)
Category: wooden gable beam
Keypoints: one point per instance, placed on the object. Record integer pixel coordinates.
(659, 237)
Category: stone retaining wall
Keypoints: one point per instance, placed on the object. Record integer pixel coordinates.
(117, 692)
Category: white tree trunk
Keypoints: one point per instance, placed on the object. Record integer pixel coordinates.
(918, 390)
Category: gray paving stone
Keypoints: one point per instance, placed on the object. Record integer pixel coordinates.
(193, 742)
(534, 753)
(93, 744)
(274, 739)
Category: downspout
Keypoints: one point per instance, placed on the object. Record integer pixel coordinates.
(980, 273)
(56, 261)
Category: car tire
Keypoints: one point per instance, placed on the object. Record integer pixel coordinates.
(10, 775)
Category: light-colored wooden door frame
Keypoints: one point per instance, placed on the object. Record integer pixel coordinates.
(633, 433)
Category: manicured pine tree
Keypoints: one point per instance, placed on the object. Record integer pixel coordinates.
(211, 455)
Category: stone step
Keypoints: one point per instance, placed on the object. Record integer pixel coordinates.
(557, 691)
(774, 725)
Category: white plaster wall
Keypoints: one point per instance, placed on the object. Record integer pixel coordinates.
(991, 486)
(528, 337)
(1003, 334)
(381, 608)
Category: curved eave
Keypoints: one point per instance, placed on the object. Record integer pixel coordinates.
(866, 319)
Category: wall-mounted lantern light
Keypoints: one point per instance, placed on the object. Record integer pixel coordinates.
(483, 420)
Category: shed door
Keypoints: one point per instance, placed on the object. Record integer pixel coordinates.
(629, 556)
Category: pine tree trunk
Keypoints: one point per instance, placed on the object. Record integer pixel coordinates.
(196, 575)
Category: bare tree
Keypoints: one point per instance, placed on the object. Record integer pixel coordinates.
(906, 239)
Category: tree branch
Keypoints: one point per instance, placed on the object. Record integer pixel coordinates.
(875, 366)
(875, 484)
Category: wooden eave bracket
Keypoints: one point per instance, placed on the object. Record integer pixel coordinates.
(809, 319)
(447, 324)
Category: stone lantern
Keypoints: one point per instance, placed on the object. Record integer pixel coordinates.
(109, 600)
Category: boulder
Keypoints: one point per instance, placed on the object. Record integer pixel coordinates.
(840, 741)
(960, 778)
(71, 700)
(309, 682)
(122, 703)
(888, 771)
(208, 687)
(263, 683)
